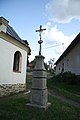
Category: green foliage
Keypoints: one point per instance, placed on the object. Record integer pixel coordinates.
(67, 77)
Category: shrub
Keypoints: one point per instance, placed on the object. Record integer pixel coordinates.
(67, 77)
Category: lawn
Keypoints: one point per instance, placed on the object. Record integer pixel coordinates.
(67, 90)
(14, 108)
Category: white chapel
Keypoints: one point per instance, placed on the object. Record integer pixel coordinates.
(13, 59)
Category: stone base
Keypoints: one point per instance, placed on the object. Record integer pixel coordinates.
(39, 106)
(39, 97)
(7, 89)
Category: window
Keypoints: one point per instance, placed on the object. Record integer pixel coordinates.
(59, 67)
(17, 62)
(62, 67)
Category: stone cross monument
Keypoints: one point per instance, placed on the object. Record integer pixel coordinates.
(39, 94)
(40, 41)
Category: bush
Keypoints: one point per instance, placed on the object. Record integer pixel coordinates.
(67, 77)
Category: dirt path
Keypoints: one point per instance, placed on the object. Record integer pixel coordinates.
(66, 100)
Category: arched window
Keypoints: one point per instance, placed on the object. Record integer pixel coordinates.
(17, 62)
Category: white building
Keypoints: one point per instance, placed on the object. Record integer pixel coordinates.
(70, 59)
(13, 58)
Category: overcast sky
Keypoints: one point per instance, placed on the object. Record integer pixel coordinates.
(61, 18)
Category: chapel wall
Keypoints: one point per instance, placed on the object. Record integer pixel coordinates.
(7, 75)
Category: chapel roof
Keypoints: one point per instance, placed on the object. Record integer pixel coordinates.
(10, 31)
(69, 48)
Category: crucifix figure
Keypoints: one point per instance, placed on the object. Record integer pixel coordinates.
(40, 41)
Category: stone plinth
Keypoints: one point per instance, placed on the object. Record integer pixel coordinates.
(7, 89)
(39, 94)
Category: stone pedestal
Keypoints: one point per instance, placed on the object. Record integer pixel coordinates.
(39, 94)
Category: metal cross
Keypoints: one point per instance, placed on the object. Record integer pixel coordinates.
(40, 41)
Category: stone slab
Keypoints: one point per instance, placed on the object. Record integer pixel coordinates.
(39, 97)
(39, 83)
(38, 73)
(39, 106)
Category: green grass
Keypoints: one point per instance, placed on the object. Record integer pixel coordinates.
(15, 108)
(67, 90)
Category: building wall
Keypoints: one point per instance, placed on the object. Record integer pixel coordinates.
(71, 61)
(7, 76)
(59, 67)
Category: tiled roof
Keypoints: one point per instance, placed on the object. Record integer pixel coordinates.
(10, 31)
(69, 48)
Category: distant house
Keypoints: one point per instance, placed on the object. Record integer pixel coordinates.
(30, 66)
(70, 59)
(13, 58)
